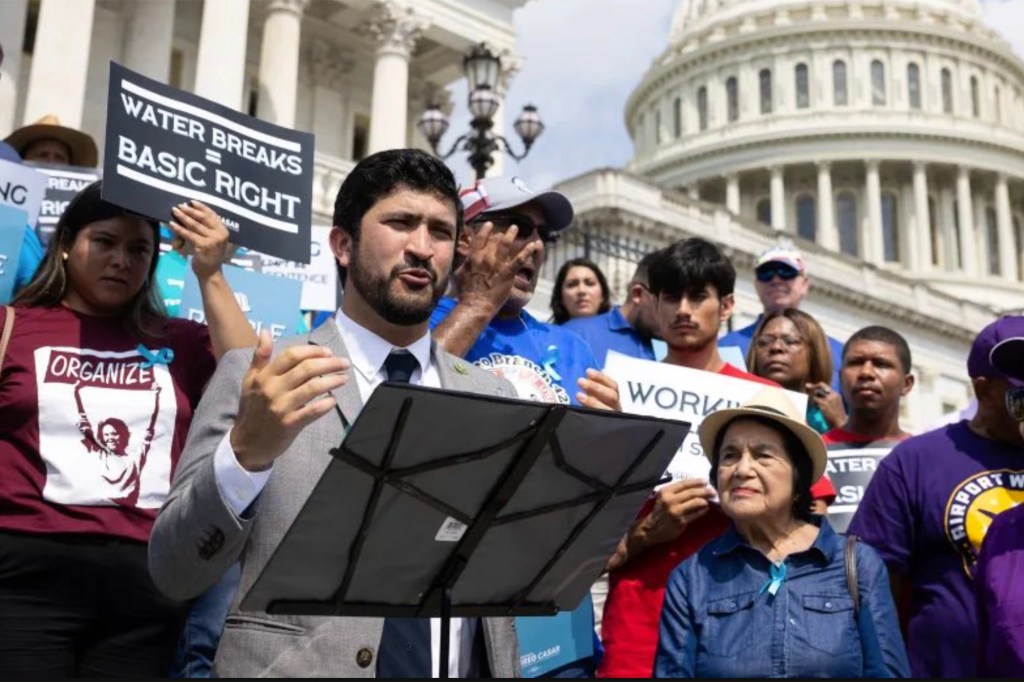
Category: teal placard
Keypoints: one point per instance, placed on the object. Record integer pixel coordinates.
(12, 232)
(550, 642)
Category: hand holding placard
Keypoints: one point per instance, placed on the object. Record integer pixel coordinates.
(280, 396)
(204, 232)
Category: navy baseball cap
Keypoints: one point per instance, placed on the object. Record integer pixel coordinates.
(995, 352)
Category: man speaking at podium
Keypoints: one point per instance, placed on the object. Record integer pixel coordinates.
(261, 437)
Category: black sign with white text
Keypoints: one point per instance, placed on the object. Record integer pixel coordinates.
(62, 184)
(165, 146)
(851, 469)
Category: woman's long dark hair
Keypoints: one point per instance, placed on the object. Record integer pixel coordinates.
(144, 316)
(560, 315)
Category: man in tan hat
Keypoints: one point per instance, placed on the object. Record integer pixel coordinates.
(47, 141)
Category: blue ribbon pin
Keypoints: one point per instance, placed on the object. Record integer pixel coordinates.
(160, 356)
(778, 574)
(550, 358)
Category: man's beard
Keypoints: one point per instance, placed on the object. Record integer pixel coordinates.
(398, 309)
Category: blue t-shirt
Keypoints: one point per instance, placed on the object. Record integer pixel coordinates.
(543, 362)
(611, 331)
(743, 337)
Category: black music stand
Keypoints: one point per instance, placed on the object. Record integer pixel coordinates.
(442, 504)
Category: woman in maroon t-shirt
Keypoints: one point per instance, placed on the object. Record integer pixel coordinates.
(97, 389)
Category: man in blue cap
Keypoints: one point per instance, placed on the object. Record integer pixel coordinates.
(500, 254)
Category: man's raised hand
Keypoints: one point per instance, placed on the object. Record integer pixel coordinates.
(280, 396)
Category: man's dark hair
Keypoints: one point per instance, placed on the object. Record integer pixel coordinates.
(688, 266)
(381, 174)
(883, 335)
(803, 467)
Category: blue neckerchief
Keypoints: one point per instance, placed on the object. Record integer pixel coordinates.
(160, 356)
(778, 574)
(549, 360)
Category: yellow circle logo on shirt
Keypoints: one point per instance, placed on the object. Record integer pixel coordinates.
(974, 504)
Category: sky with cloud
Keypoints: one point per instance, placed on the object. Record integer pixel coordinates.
(582, 58)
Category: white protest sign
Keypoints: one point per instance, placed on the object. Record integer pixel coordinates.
(319, 278)
(658, 389)
(22, 188)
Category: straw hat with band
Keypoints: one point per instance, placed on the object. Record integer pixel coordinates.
(82, 146)
(769, 403)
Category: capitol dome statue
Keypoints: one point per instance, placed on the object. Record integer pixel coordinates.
(891, 131)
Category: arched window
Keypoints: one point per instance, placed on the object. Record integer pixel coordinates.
(992, 239)
(839, 83)
(998, 104)
(914, 85)
(933, 232)
(764, 211)
(846, 218)
(677, 117)
(702, 107)
(765, 80)
(732, 96)
(806, 217)
(947, 92)
(975, 98)
(659, 136)
(877, 83)
(803, 96)
(890, 227)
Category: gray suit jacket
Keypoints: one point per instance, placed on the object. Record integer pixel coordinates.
(197, 536)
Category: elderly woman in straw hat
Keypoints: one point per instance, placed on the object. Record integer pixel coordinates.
(779, 594)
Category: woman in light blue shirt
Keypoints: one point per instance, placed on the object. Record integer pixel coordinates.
(771, 596)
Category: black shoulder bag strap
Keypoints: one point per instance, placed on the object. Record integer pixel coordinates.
(851, 574)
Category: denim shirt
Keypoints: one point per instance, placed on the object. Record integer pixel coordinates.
(719, 621)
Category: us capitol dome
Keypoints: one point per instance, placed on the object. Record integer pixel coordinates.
(891, 131)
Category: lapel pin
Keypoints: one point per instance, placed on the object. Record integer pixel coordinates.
(461, 368)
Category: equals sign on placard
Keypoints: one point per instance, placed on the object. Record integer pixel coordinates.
(213, 155)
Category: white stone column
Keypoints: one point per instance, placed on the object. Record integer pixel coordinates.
(828, 235)
(778, 198)
(12, 31)
(873, 244)
(922, 218)
(1008, 256)
(60, 61)
(279, 62)
(148, 38)
(732, 193)
(396, 31)
(965, 216)
(223, 37)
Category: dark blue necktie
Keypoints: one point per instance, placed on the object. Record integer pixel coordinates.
(400, 365)
(405, 642)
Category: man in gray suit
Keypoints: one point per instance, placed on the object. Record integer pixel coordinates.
(260, 438)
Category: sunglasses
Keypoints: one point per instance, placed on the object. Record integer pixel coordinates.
(1015, 403)
(783, 272)
(527, 227)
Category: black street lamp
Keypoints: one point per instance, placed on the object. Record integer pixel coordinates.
(482, 68)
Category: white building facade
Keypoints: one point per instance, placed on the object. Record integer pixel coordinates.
(885, 138)
(356, 73)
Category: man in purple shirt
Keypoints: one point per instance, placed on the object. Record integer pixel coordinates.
(999, 575)
(627, 329)
(929, 505)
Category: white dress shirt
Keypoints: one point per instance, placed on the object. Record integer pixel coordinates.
(367, 353)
